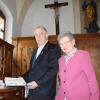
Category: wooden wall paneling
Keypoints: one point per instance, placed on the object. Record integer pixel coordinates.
(25, 58)
(23, 51)
(91, 43)
(25, 45)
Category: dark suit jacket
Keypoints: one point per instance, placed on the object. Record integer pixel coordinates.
(44, 72)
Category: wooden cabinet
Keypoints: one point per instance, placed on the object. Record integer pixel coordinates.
(7, 70)
(15, 93)
(6, 57)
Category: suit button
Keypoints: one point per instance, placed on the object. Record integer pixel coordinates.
(64, 70)
(64, 92)
(64, 81)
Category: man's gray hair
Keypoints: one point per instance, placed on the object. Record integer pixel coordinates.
(41, 27)
(65, 34)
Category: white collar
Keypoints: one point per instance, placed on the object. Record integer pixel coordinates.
(43, 45)
(71, 53)
(40, 49)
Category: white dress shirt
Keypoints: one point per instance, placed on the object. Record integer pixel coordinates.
(40, 49)
(67, 57)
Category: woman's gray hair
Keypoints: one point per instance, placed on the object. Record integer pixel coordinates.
(65, 34)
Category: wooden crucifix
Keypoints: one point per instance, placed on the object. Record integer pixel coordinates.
(56, 6)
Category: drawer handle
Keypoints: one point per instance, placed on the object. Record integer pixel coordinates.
(1, 97)
(17, 93)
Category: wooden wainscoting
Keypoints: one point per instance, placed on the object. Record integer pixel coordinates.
(25, 45)
(91, 43)
(23, 51)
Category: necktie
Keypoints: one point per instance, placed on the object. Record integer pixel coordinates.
(33, 60)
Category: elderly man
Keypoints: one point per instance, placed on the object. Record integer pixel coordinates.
(41, 77)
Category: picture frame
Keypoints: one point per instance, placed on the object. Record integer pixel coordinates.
(88, 16)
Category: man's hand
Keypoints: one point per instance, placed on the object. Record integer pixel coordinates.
(32, 85)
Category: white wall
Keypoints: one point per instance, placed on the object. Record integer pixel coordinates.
(11, 5)
(39, 15)
(9, 22)
(36, 14)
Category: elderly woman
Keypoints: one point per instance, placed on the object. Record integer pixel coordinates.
(76, 73)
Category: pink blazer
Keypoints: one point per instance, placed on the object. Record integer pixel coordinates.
(77, 78)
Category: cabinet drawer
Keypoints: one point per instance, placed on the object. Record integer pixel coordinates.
(13, 95)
